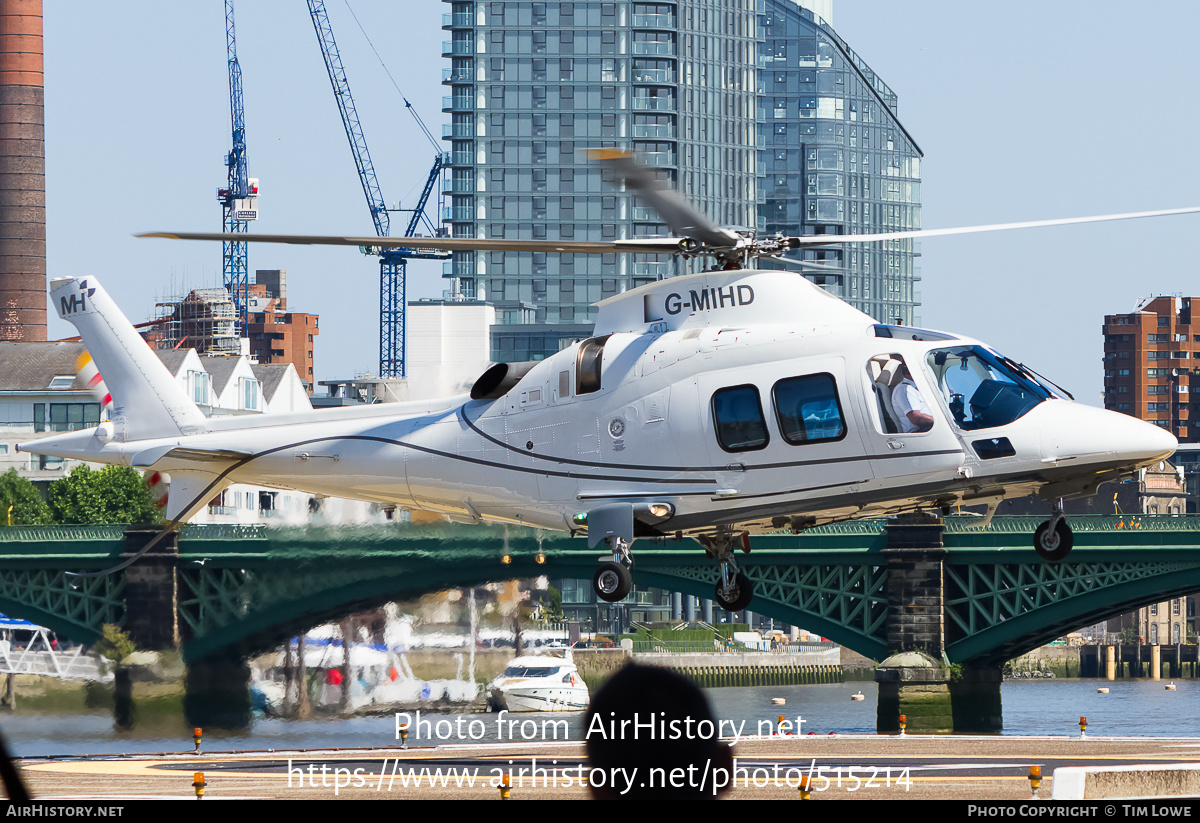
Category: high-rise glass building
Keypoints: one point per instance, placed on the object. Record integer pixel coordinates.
(755, 109)
(834, 158)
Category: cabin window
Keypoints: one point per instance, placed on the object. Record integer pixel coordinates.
(587, 365)
(808, 410)
(738, 415)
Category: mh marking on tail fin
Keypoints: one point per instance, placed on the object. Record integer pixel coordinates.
(71, 304)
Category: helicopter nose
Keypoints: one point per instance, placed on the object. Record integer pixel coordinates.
(1088, 434)
(1144, 441)
(1136, 441)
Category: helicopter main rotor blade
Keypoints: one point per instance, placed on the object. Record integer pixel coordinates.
(844, 239)
(663, 245)
(680, 216)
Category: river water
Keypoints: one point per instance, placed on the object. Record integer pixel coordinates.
(1136, 708)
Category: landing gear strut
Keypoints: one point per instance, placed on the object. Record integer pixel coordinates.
(1054, 539)
(612, 580)
(734, 589)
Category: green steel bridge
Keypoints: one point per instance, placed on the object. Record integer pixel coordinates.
(239, 590)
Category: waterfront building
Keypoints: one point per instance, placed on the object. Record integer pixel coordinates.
(1150, 357)
(834, 158)
(756, 110)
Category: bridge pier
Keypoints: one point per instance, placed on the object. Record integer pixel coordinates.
(915, 681)
(218, 692)
(152, 592)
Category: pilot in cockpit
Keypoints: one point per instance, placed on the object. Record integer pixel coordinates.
(912, 413)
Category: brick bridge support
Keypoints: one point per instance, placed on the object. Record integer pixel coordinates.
(217, 692)
(915, 680)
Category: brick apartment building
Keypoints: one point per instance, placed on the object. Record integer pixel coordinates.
(277, 335)
(1150, 357)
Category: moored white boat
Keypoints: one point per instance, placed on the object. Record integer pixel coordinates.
(539, 684)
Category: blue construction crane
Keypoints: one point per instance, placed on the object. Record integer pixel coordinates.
(239, 198)
(392, 262)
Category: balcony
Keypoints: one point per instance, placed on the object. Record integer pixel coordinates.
(458, 75)
(458, 268)
(458, 103)
(653, 21)
(654, 104)
(653, 75)
(644, 131)
(459, 186)
(458, 214)
(458, 130)
(458, 21)
(461, 158)
(457, 48)
(653, 49)
(657, 270)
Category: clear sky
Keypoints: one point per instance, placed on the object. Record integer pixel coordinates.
(1023, 112)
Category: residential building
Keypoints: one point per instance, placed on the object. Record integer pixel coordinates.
(276, 334)
(1150, 357)
(40, 395)
(834, 158)
(756, 110)
(534, 84)
(206, 320)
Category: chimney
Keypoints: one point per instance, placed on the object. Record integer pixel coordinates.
(22, 173)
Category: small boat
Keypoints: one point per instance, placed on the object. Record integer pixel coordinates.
(539, 684)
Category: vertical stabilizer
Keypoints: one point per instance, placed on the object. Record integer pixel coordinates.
(147, 400)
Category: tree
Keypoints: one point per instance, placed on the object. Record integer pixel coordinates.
(554, 609)
(115, 494)
(28, 507)
(114, 644)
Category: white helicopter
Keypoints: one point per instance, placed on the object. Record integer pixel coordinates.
(713, 405)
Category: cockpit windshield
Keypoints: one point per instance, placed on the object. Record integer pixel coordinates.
(983, 389)
(530, 671)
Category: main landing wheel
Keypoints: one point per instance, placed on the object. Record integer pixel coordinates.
(612, 582)
(1053, 545)
(743, 593)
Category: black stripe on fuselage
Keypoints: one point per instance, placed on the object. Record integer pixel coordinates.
(727, 468)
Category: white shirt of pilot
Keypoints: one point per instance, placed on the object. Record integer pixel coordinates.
(906, 398)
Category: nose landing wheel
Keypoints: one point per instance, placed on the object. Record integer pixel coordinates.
(612, 582)
(1054, 539)
(734, 589)
(736, 597)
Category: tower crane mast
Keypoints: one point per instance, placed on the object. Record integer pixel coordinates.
(239, 198)
(392, 262)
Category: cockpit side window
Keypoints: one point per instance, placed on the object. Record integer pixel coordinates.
(902, 407)
(738, 416)
(587, 364)
(981, 389)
